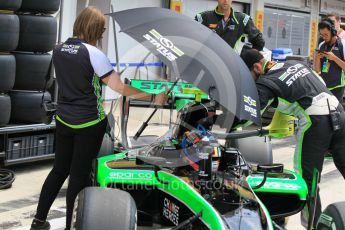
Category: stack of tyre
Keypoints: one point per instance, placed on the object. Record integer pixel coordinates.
(28, 33)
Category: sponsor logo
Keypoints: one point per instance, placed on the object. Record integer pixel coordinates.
(249, 101)
(171, 211)
(163, 86)
(71, 49)
(326, 220)
(279, 185)
(291, 70)
(131, 176)
(250, 104)
(301, 73)
(163, 45)
(250, 110)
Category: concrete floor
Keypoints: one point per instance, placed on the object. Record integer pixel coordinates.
(18, 204)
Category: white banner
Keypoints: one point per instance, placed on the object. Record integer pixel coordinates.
(297, 4)
(328, 6)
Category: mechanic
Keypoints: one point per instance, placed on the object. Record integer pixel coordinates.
(80, 119)
(335, 17)
(232, 26)
(294, 89)
(329, 59)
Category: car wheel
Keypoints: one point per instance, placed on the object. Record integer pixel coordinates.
(32, 71)
(37, 33)
(7, 72)
(104, 208)
(27, 107)
(333, 217)
(9, 32)
(5, 111)
(10, 4)
(40, 6)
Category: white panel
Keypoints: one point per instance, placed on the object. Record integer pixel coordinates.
(328, 6)
(129, 50)
(288, 4)
(68, 17)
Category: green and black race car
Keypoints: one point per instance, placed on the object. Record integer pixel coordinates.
(187, 179)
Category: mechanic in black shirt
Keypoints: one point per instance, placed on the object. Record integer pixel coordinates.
(294, 89)
(329, 61)
(232, 26)
(80, 120)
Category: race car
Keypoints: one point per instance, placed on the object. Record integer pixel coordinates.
(188, 179)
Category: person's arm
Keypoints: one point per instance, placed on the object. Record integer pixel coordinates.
(317, 61)
(266, 96)
(104, 70)
(254, 35)
(115, 83)
(337, 60)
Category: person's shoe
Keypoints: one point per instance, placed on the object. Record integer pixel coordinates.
(40, 225)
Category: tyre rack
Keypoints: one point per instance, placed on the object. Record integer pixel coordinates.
(29, 134)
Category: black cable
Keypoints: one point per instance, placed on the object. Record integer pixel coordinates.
(6, 178)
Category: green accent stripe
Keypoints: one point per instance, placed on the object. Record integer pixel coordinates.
(80, 126)
(234, 16)
(177, 51)
(283, 76)
(217, 12)
(304, 124)
(155, 34)
(98, 89)
(335, 87)
(342, 83)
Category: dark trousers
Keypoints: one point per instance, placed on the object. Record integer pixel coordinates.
(339, 93)
(75, 149)
(317, 141)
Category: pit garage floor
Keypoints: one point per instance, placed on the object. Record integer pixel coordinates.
(18, 204)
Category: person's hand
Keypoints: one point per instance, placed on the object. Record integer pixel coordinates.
(320, 55)
(330, 56)
(161, 99)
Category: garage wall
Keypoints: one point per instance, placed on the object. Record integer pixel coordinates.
(192, 7)
(287, 29)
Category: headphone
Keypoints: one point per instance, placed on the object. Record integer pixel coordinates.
(330, 25)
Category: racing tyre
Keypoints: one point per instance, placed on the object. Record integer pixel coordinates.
(104, 208)
(333, 217)
(32, 71)
(9, 32)
(5, 111)
(40, 6)
(10, 4)
(7, 72)
(27, 107)
(37, 33)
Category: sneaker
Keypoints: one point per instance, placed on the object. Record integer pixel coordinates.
(40, 225)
